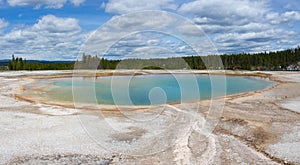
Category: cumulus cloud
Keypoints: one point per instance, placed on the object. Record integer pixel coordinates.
(148, 52)
(3, 25)
(292, 15)
(225, 12)
(56, 4)
(232, 25)
(161, 26)
(77, 2)
(50, 38)
(38, 3)
(286, 17)
(122, 26)
(149, 45)
(255, 41)
(268, 40)
(52, 24)
(126, 6)
(242, 25)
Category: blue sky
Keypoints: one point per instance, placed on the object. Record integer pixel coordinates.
(57, 29)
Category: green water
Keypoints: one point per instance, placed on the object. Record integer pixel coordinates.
(150, 89)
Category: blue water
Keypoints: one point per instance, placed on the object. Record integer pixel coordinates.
(151, 89)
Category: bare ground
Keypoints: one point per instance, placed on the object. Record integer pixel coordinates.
(260, 127)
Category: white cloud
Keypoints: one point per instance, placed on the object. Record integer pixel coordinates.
(3, 25)
(38, 3)
(50, 38)
(148, 52)
(52, 24)
(242, 25)
(126, 6)
(56, 4)
(103, 5)
(121, 26)
(225, 12)
(77, 2)
(277, 18)
(190, 30)
(291, 16)
(233, 25)
(267, 40)
(231, 16)
(220, 29)
(118, 35)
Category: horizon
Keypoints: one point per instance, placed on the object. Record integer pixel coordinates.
(55, 30)
(74, 60)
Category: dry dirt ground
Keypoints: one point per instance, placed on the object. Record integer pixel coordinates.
(260, 127)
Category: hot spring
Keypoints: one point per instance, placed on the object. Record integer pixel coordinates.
(147, 89)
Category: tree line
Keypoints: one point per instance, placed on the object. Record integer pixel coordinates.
(279, 60)
(19, 64)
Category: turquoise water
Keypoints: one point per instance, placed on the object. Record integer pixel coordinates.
(151, 89)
